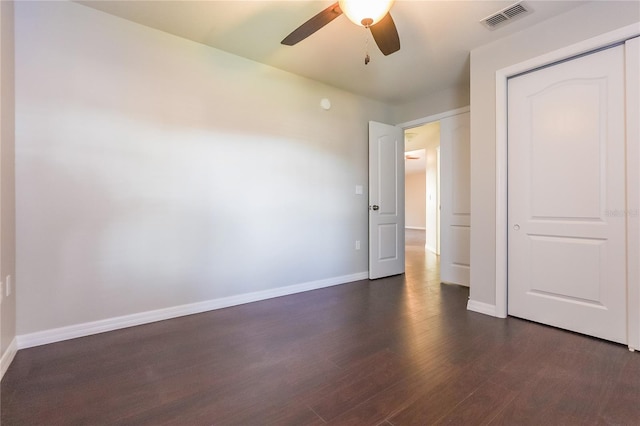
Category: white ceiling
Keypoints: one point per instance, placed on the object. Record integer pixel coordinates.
(436, 38)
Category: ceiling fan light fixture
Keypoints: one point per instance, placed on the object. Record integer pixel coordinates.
(365, 12)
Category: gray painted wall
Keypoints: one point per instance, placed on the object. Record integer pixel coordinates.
(153, 171)
(7, 177)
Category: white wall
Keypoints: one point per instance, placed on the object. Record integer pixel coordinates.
(578, 24)
(432, 202)
(7, 178)
(153, 171)
(415, 200)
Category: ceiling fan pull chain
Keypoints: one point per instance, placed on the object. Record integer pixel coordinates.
(367, 58)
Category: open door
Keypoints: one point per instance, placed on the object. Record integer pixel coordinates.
(386, 200)
(455, 214)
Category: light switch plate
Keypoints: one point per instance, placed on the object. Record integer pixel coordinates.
(359, 189)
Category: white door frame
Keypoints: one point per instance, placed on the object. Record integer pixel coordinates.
(632, 59)
(430, 119)
(502, 75)
(438, 200)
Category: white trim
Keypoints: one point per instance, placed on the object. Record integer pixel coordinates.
(502, 75)
(483, 308)
(8, 356)
(417, 228)
(101, 326)
(432, 118)
(501, 195)
(632, 64)
(431, 249)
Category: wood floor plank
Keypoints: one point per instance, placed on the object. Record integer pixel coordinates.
(396, 398)
(571, 385)
(623, 402)
(480, 407)
(439, 401)
(359, 383)
(284, 414)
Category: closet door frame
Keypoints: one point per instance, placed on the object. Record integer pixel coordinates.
(632, 62)
(618, 36)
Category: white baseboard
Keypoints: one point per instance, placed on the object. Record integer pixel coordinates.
(431, 249)
(101, 326)
(482, 308)
(416, 228)
(7, 357)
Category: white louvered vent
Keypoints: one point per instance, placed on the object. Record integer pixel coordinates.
(507, 14)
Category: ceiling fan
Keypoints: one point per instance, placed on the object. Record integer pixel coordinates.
(371, 14)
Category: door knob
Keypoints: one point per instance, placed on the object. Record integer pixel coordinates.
(375, 207)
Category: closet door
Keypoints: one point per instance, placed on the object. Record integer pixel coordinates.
(567, 221)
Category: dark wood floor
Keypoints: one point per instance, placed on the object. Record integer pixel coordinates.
(396, 351)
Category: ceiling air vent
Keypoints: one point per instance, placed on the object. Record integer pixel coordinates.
(507, 14)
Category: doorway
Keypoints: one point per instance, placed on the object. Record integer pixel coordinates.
(449, 201)
(448, 196)
(422, 186)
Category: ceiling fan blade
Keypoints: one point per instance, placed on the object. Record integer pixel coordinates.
(386, 35)
(313, 25)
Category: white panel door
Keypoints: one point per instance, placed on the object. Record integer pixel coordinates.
(566, 197)
(455, 194)
(386, 200)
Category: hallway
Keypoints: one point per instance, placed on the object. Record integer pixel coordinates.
(420, 264)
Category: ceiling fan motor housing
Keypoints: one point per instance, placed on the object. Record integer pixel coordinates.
(365, 13)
